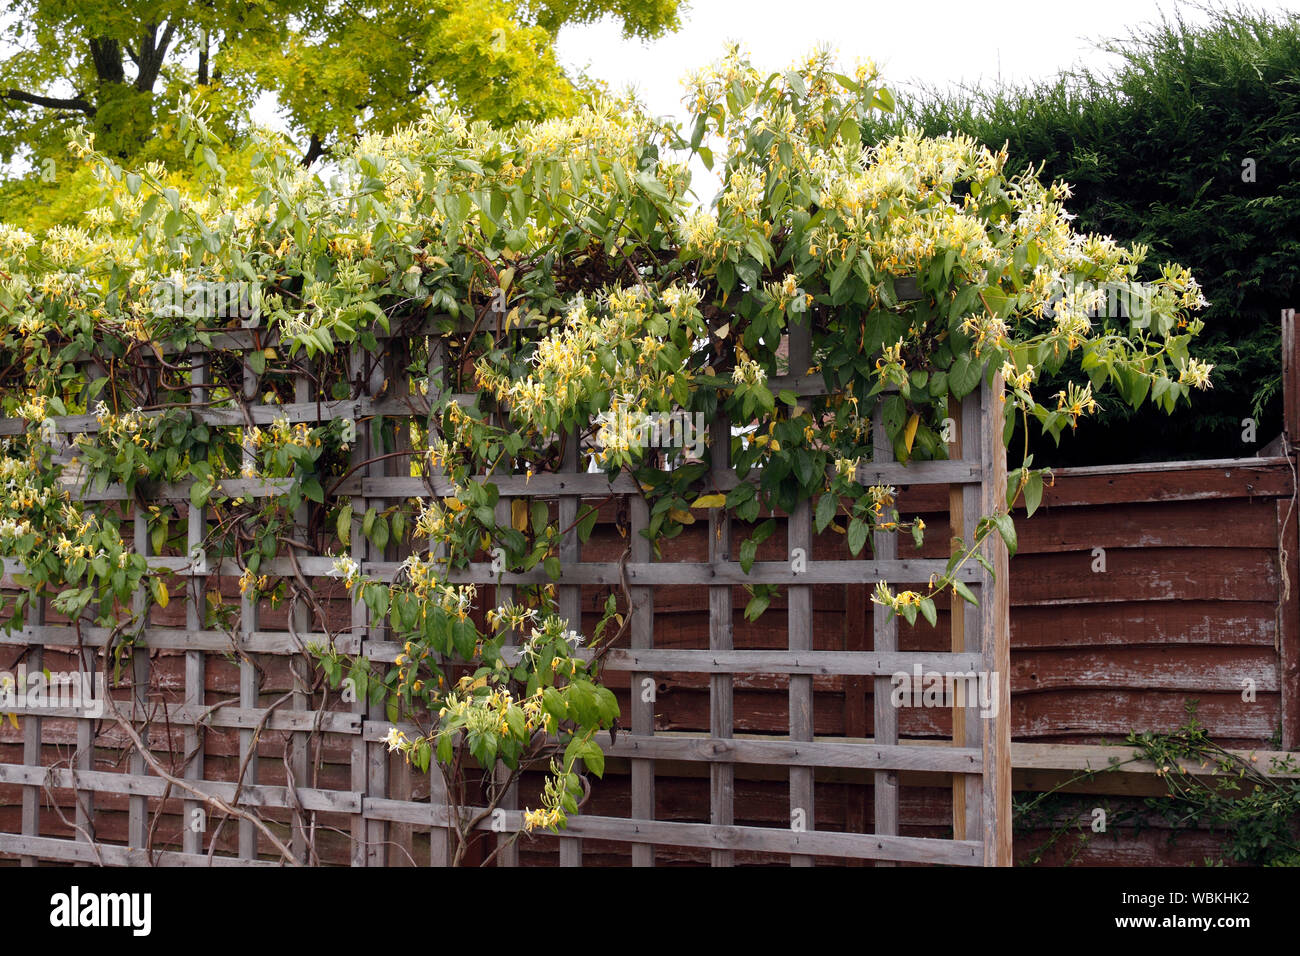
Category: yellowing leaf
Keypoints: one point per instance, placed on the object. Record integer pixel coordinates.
(160, 592)
(13, 719)
(519, 514)
(710, 501)
(683, 517)
(454, 504)
(909, 433)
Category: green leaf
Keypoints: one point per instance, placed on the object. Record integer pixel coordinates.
(594, 758)
(964, 375)
(826, 507)
(554, 703)
(1007, 528)
(344, 526)
(858, 531)
(588, 523)
(964, 593)
(1033, 492)
(929, 611)
(199, 493)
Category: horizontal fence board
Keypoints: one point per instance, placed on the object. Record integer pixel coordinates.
(707, 836)
(70, 851)
(799, 753)
(250, 795)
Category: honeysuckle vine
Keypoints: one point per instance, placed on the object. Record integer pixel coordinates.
(582, 292)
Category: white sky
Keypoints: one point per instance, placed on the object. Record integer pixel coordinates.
(937, 43)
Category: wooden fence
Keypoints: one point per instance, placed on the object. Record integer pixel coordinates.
(227, 714)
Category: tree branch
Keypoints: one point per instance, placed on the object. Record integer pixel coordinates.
(315, 150)
(51, 102)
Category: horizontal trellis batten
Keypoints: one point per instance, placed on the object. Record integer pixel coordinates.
(382, 805)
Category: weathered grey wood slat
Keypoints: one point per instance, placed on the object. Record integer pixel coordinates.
(299, 762)
(370, 437)
(598, 485)
(885, 630)
(973, 422)
(642, 686)
(258, 336)
(721, 839)
(72, 851)
(711, 573)
(440, 838)
(800, 753)
(569, 596)
(800, 625)
(824, 663)
(294, 412)
(396, 436)
(722, 777)
(194, 814)
(256, 795)
(241, 718)
(175, 638)
(84, 812)
(249, 680)
(84, 758)
(700, 573)
(138, 807)
(359, 549)
(995, 643)
(180, 491)
(31, 825)
(509, 855)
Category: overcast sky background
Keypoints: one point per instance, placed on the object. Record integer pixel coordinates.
(935, 43)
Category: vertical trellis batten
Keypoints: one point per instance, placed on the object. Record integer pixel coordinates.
(972, 421)
(885, 630)
(642, 695)
(507, 843)
(360, 620)
(248, 676)
(377, 776)
(569, 596)
(299, 762)
(995, 640)
(800, 619)
(439, 837)
(138, 807)
(397, 430)
(31, 812)
(722, 776)
(194, 819)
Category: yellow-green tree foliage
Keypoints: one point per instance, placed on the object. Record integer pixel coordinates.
(335, 69)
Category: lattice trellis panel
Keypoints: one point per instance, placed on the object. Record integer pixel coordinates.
(229, 711)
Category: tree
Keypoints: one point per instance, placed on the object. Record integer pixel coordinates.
(335, 67)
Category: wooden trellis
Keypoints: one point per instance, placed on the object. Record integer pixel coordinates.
(380, 805)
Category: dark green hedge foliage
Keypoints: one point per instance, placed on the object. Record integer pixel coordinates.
(1154, 150)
